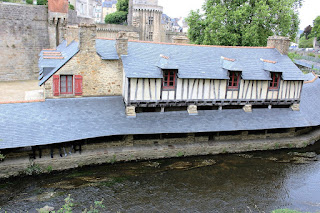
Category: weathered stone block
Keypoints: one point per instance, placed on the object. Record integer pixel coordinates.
(295, 107)
(247, 108)
(192, 110)
(131, 111)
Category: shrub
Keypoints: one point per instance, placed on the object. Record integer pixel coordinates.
(2, 157)
(42, 2)
(118, 17)
(71, 7)
(33, 169)
(29, 1)
(305, 43)
(311, 54)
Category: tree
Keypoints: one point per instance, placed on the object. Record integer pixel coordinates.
(243, 22)
(316, 28)
(307, 31)
(120, 16)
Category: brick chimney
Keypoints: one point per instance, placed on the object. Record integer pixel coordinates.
(122, 43)
(72, 33)
(180, 40)
(281, 43)
(88, 34)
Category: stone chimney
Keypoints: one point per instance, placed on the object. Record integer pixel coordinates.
(88, 34)
(281, 43)
(72, 34)
(180, 40)
(122, 43)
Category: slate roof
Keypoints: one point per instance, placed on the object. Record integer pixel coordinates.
(55, 64)
(106, 49)
(109, 3)
(204, 62)
(63, 120)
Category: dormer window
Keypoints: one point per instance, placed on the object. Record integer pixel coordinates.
(169, 79)
(275, 82)
(234, 78)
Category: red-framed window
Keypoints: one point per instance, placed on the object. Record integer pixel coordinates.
(169, 79)
(66, 84)
(275, 82)
(234, 78)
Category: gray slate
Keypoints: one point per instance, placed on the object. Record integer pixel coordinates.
(106, 49)
(63, 120)
(204, 62)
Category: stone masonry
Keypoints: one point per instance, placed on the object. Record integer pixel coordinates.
(23, 34)
(100, 77)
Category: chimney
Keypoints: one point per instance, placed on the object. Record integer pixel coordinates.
(88, 34)
(281, 43)
(72, 34)
(122, 43)
(180, 40)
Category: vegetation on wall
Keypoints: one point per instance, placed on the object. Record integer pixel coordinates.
(120, 16)
(243, 22)
(29, 1)
(71, 7)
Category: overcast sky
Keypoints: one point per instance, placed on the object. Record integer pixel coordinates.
(181, 8)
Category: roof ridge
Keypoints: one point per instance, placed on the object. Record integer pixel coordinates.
(197, 45)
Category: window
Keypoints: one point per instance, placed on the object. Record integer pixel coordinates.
(150, 20)
(66, 84)
(233, 82)
(150, 36)
(274, 83)
(169, 79)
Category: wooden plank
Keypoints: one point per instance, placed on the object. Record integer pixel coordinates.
(194, 81)
(150, 89)
(251, 90)
(188, 90)
(136, 92)
(210, 89)
(142, 93)
(198, 89)
(219, 89)
(279, 90)
(282, 89)
(182, 89)
(294, 90)
(261, 83)
(203, 88)
(285, 95)
(247, 89)
(155, 89)
(257, 89)
(129, 90)
(214, 90)
(289, 90)
(243, 89)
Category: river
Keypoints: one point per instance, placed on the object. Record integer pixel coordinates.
(250, 182)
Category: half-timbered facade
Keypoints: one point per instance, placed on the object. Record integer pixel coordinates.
(165, 75)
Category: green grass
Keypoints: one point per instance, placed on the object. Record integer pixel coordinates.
(285, 211)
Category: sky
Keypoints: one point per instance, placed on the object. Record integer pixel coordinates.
(181, 8)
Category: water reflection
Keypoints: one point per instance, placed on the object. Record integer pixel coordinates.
(260, 181)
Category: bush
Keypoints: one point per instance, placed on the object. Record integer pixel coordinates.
(71, 7)
(293, 55)
(305, 43)
(42, 2)
(311, 54)
(33, 169)
(29, 1)
(2, 157)
(118, 17)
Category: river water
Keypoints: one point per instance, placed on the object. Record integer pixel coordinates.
(250, 182)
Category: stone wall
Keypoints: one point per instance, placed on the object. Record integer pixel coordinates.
(127, 148)
(111, 31)
(100, 77)
(23, 34)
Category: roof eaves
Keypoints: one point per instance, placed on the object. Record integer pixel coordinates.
(56, 69)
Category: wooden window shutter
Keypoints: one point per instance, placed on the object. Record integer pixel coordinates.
(78, 85)
(56, 85)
